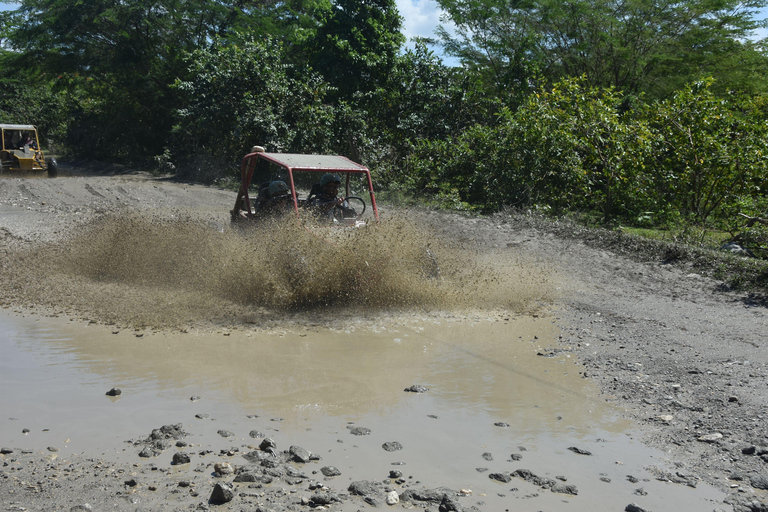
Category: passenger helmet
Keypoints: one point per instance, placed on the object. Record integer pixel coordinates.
(277, 188)
(329, 178)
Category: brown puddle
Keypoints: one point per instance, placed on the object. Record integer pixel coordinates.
(307, 385)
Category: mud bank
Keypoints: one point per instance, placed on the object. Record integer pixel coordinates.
(673, 354)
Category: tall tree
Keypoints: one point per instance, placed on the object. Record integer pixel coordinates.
(633, 45)
(357, 44)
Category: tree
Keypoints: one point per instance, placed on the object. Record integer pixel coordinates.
(357, 44)
(634, 45)
(229, 107)
(709, 151)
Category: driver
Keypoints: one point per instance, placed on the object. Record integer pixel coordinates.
(328, 199)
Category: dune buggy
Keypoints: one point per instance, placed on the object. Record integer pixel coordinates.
(21, 150)
(301, 174)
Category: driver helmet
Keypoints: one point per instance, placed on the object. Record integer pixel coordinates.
(329, 178)
(277, 188)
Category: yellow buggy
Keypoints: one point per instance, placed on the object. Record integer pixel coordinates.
(21, 150)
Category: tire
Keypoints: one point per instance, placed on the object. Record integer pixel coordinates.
(53, 167)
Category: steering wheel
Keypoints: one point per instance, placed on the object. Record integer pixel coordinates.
(354, 203)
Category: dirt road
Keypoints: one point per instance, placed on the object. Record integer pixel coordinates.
(683, 358)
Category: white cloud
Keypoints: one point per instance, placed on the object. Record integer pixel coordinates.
(420, 17)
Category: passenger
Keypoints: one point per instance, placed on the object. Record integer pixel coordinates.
(26, 140)
(279, 199)
(327, 199)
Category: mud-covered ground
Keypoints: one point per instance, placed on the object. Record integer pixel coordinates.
(683, 356)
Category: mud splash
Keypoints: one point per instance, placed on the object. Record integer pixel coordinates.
(151, 271)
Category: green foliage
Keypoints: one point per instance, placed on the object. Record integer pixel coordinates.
(565, 148)
(708, 150)
(231, 108)
(652, 46)
(356, 45)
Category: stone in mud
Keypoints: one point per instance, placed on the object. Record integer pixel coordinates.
(330, 471)
(268, 444)
(530, 476)
(299, 454)
(114, 392)
(501, 424)
(487, 456)
(222, 493)
(450, 504)
(501, 477)
(710, 438)
(368, 490)
(256, 434)
(417, 388)
(430, 495)
(225, 433)
(359, 431)
(324, 498)
(395, 474)
(516, 456)
(634, 507)
(6, 451)
(393, 498)
(223, 468)
(392, 446)
(146, 452)
(85, 507)
(759, 481)
(561, 488)
(580, 451)
(246, 476)
(180, 458)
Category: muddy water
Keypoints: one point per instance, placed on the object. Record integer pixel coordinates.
(305, 386)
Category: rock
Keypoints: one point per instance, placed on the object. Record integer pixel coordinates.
(201, 416)
(146, 452)
(85, 507)
(299, 454)
(225, 433)
(665, 418)
(759, 481)
(114, 392)
(580, 451)
(501, 424)
(516, 456)
(223, 468)
(395, 474)
(222, 493)
(501, 477)
(450, 504)
(256, 434)
(430, 495)
(565, 489)
(268, 444)
(364, 488)
(417, 388)
(392, 446)
(710, 438)
(246, 476)
(180, 458)
(194, 398)
(330, 471)
(392, 498)
(734, 248)
(359, 431)
(324, 498)
(633, 507)
(6, 451)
